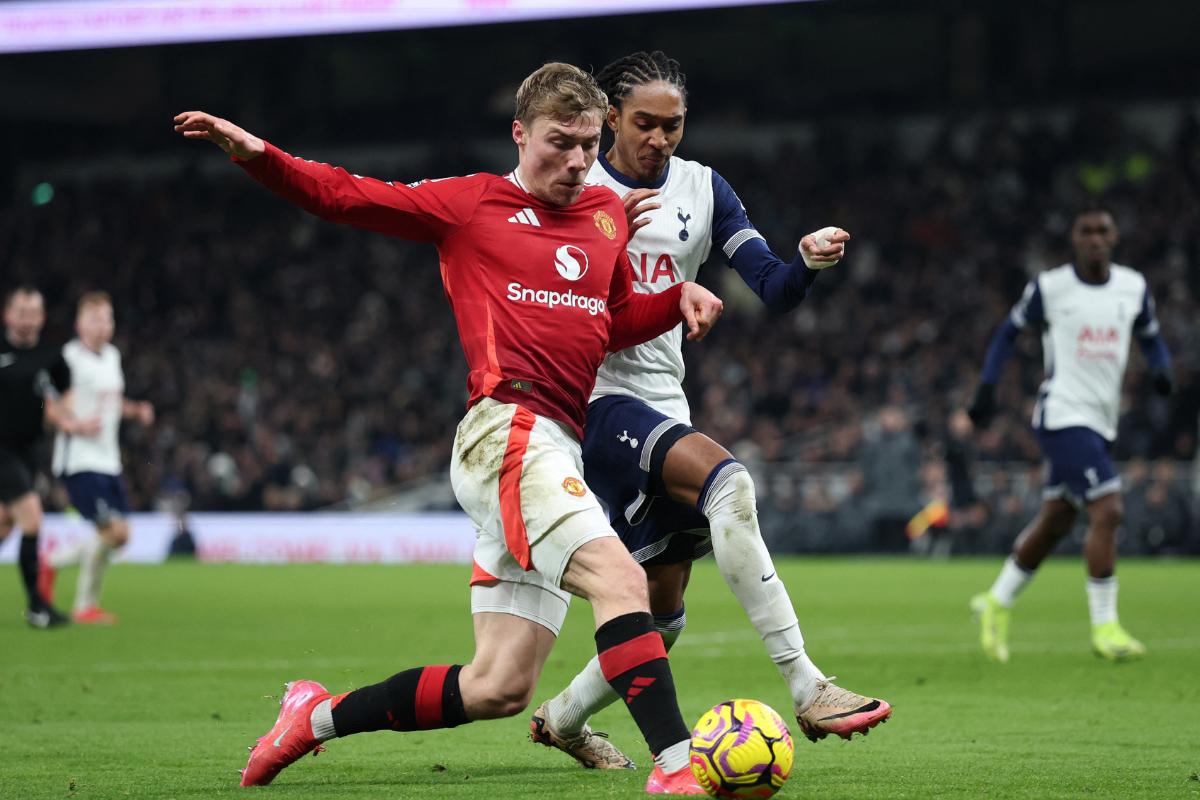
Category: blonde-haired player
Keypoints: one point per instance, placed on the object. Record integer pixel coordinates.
(90, 465)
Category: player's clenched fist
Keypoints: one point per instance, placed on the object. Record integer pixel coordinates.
(824, 248)
(700, 309)
(221, 132)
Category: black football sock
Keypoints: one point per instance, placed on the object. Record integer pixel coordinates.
(634, 661)
(414, 700)
(27, 563)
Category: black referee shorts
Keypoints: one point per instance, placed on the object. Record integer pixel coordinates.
(18, 466)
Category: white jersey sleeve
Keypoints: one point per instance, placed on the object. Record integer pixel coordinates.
(1085, 342)
(97, 390)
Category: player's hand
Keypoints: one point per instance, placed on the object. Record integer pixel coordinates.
(1163, 380)
(700, 308)
(824, 248)
(636, 205)
(983, 407)
(221, 132)
(145, 413)
(83, 427)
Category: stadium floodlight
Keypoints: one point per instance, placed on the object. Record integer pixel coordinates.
(32, 26)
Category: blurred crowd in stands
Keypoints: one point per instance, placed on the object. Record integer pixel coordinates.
(297, 364)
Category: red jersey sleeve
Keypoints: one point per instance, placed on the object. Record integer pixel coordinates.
(638, 317)
(426, 211)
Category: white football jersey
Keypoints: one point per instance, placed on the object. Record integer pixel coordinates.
(97, 390)
(1087, 332)
(669, 250)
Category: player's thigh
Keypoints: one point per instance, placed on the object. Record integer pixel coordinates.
(603, 572)
(688, 464)
(1057, 516)
(519, 477)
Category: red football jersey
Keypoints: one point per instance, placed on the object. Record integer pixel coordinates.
(539, 292)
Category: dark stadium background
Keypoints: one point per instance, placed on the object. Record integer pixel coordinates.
(300, 365)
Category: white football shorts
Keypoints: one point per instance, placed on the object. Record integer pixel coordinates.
(519, 476)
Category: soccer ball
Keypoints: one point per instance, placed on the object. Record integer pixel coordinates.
(741, 748)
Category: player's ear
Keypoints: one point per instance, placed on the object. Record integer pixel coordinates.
(614, 115)
(518, 133)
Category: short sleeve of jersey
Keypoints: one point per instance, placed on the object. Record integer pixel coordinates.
(1028, 309)
(1146, 324)
(731, 226)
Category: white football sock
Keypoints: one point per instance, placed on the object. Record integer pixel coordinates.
(322, 721)
(1102, 599)
(91, 572)
(65, 555)
(1009, 583)
(589, 692)
(676, 757)
(746, 565)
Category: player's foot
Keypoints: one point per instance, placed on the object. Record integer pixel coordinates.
(1113, 642)
(588, 747)
(290, 738)
(93, 615)
(45, 579)
(840, 711)
(45, 616)
(681, 781)
(993, 626)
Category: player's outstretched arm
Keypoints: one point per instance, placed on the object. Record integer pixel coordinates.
(781, 285)
(425, 211)
(224, 134)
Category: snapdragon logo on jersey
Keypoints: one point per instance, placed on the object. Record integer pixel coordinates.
(570, 262)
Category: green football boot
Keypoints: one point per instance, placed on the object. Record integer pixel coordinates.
(1113, 642)
(993, 626)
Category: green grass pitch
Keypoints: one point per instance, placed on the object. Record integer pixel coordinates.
(164, 704)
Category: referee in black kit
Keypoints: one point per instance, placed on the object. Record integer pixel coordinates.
(33, 379)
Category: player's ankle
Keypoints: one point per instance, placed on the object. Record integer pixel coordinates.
(321, 720)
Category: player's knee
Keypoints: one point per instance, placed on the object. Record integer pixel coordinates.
(626, 584)
(729, 490)
(1108, 516)
(117, 532)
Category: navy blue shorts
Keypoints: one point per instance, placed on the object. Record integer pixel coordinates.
(99, 497)
(1078, 467)
(625, 443)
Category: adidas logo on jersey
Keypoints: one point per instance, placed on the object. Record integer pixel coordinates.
(526, 217)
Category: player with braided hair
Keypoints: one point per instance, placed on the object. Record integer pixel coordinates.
(673, 493)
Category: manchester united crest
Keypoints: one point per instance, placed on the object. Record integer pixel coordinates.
(606, 224)
(574, 487)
